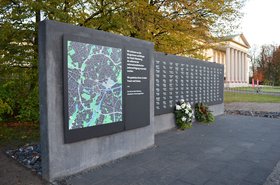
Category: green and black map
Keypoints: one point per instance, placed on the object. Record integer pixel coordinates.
(94, 84)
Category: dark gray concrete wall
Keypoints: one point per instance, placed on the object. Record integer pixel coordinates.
(166, 122)
(60, 159)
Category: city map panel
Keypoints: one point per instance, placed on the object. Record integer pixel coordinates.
(94, 84)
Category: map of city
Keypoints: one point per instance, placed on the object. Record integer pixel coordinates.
(94, 84)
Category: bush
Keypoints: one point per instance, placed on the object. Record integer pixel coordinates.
(29, 110)
(5, 109)
(203, 114)
(19, 100)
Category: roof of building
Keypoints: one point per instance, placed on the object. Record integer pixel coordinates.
(235, 38)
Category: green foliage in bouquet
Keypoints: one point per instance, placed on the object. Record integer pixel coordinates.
(183, 115)
(203, 114)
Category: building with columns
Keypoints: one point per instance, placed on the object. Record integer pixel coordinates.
(233, 54)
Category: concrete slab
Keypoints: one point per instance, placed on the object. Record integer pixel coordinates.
(233, 150)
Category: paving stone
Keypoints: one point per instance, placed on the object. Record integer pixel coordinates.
(240, 166)
(274, 177)
(258, 175)
(249, 183)
(213, 166)
(226, 156)
(236, 173)
(180, 182)
(222, 181)
(183, 167)
(78, 181)
(165, 176)
(197, 176)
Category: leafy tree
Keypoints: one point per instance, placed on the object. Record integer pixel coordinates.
(275, 66)
(268, 66)
(253, 55)
(179, 27)
(18, 57)
(175, 26)
(19, 21)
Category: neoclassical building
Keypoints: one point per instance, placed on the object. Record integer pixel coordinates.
(233, 54)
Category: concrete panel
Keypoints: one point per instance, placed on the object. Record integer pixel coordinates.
(217, 109)
(60, 159)
(166, 122)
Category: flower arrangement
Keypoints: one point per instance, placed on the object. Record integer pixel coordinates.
(183, 114)
(203, 114)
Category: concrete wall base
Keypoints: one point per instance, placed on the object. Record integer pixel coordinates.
(166, 122)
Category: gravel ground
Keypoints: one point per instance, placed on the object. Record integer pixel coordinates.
(247, 106)
(13, 173)
(265, 114)
(28, 155)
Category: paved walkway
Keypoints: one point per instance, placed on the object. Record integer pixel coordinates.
(247, 106)
(235, 150)
(274, 177)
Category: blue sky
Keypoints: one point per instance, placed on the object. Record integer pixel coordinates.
(260, 23)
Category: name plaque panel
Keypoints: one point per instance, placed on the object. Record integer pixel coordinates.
(185, 78)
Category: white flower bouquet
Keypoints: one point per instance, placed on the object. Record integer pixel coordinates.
(183, 114)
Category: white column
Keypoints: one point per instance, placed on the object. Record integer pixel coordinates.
(224, 63)
(246, 69)
(235, 66)
(214, 56)
(243, 67)
(239, 67)
(227, 65)
(225, 59)
(231, 65)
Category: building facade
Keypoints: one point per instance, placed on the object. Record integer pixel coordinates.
(233, 54)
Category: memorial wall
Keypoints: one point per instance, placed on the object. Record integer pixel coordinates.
(104, 96)
(186, 78)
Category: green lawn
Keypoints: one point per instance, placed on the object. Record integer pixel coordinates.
(264, 89)
(239, 97)
(16, 134)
